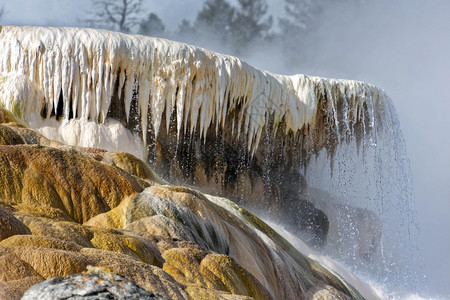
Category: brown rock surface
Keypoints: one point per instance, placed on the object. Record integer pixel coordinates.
(5, 116)
(78, 185)
(179, 213)
(212, 271)
(64, 208)
(10, 225)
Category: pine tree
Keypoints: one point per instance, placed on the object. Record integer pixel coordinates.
(223, 27)
(250, 23)
(215, 20)
(296, 28)
(186, 32)
(152, 26)
(301, 14)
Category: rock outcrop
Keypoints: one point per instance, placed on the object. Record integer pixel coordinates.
(95, 284)
(87, 115)
(174, 105)
(65, 208)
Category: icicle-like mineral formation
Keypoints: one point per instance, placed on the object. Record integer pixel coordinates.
(87, 87)
(211, 120)
(75, 74)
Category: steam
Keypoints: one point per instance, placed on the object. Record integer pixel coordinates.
(401, 46)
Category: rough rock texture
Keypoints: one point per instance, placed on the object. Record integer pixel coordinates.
(188, 215)
(95, 284)
(65, 208)
(80, 85)
(5, 116)
(76, 185)
(10, 225)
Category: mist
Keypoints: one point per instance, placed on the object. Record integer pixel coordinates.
(401, 46)
(404, 48)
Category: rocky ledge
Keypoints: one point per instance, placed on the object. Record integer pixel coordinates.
(63, 209)
(96, 283)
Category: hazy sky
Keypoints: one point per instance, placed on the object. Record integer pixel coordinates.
(67, 12)
(401, 46)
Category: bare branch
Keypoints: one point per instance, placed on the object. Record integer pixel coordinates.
(120, 15)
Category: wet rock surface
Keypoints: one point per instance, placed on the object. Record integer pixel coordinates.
(64, 208)
(97, 284)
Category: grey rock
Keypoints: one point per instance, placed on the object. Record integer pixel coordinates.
(97, 283)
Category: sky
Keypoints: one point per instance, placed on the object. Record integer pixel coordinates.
(401, 46)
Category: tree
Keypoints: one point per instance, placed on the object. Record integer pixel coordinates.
(119, 15)
(301, 14)
(250, 22)
(152, 26)
(211, 28)
(300, 22)
(215, 19)
(186, 32)
(226, 28)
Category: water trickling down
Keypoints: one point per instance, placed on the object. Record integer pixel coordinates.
(214, 121)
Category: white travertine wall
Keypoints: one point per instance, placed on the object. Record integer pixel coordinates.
(82, 66)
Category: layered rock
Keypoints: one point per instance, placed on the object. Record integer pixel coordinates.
(202, 120)
(61, 211)
(175, 105)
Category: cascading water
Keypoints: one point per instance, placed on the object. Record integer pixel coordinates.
(323, 155)
(369, 197)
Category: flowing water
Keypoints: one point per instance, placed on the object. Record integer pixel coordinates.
(164, 101)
